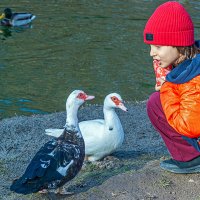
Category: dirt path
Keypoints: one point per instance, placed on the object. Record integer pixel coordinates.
(131, 173)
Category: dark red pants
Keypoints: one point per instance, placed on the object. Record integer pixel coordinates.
(179, 148)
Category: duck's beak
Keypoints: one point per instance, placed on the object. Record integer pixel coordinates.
(2, 16)
(89, 97)
(122, 106)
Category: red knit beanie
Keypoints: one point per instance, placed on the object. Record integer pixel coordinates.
(169, 25)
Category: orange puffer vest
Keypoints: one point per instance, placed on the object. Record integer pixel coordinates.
(181, 105)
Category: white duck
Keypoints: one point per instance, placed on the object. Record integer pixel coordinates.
(58, 160)
(101, 136)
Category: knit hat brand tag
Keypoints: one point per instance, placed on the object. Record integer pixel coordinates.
(149, 37)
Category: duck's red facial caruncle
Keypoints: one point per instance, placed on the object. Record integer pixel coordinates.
(118, 103)
(84, 96)
(116, 100)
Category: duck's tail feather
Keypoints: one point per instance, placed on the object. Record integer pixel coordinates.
(21, 186)
(33, 17)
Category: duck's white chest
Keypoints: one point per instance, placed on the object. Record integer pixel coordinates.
(113, 134)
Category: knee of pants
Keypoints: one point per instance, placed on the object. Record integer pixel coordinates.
(153, 101)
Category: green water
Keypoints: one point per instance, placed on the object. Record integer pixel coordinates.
(96, 46)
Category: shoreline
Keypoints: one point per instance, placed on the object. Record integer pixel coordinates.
(133, 171)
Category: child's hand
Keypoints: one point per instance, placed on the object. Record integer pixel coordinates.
(157, 88)
(160, 81)
(160, 74)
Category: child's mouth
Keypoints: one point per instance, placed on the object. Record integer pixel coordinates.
(157, 62)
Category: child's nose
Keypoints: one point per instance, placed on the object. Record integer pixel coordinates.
(152, 52)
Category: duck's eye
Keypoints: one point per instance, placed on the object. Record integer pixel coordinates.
(81, 96)
(115, 100)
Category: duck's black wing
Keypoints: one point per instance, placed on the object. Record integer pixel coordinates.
(48, 167)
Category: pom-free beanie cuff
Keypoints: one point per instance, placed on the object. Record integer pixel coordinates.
(170, 39)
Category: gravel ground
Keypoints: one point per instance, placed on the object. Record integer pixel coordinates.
(130, 173)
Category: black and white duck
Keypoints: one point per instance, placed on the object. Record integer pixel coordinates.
(102, 136)
(8, 18)
(59, 160)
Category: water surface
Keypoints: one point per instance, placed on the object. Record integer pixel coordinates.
(96, 46)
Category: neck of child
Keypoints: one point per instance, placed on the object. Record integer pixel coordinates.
(179, 60)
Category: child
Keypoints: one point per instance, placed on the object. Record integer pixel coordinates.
(175, 110)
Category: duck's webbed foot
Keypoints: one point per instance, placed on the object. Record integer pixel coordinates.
(63, 191)
(44, 191)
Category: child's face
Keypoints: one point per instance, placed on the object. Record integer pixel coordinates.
(165, 55)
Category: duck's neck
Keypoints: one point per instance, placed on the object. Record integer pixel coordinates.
(110, 116)
(72, 119)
